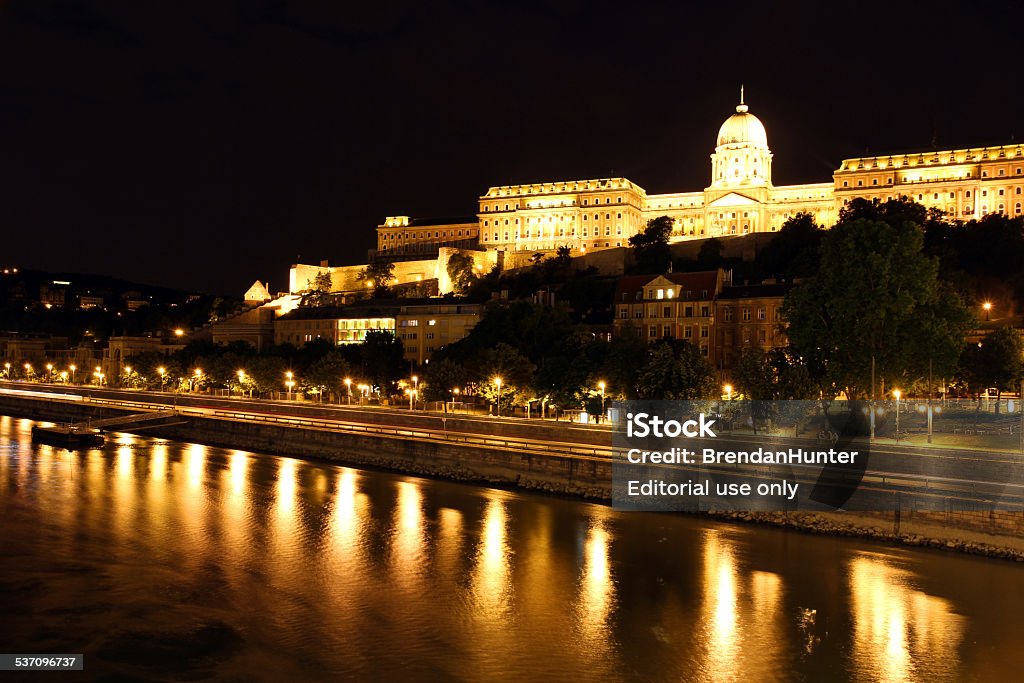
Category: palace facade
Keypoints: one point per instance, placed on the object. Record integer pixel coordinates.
(588, 215)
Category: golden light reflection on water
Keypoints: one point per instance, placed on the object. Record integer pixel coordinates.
(195, 463)
(900, 633)
(491, 585)
(407, 535)
(286, 486)
(597, 598)
(719, 613)
(234, 481)
(348, 528)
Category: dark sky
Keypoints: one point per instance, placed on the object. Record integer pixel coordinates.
(204, 145)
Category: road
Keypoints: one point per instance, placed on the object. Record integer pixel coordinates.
(942, 472)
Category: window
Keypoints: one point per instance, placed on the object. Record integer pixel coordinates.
(727, 315)
(666, 312)
(704, 331)
(746, 313)
(688, 312)
(761, 313)
(687, 332)
(666, 331)
(652, 331)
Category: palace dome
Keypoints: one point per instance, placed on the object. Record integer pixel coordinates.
(743, 128)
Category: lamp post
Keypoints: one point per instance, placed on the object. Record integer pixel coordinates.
(897, 393)
(348, 385)
(49, 372)
(198, 377)
(289, 382)
(728, 392)
(455, 392)
(987, 307)
(241, 382)
(162, 371)
(7, 370)
(72, 368)
(601, 385)
(28, 371)
(497, 383)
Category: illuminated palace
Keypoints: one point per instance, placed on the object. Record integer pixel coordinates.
(588, 215)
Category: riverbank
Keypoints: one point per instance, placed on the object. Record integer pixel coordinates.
(989, 533)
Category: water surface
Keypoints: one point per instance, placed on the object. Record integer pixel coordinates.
(167, 561)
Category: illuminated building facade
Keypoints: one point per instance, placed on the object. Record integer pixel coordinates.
(586, 215)
(598, 214)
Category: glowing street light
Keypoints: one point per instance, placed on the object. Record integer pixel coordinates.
(162, 371)
(987, 307)
(178, 332)
(198, 376)
(49, 372)
(728, 392)
(897, 393)
(601, 385)
(497, 383)
(348, 385)
(289, 382)
(72, 368)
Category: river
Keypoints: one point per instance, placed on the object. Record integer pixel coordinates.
(162, 560)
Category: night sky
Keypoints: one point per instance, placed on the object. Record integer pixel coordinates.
(204, 145)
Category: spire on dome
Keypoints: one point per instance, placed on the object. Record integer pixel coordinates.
(742, 108)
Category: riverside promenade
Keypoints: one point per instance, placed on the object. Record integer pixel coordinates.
(542, 455)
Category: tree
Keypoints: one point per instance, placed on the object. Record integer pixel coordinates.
(267, 373)
(650, 247)
(876, 297)
(440, 377)
(710, 255)
(515, 371)
(318, 290)
(382, 358)
(460, 272)
(676, 370)
(997, 361)
(327, 374)
(794, 250)
(378, 276)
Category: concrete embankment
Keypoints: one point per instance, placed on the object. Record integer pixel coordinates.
(992, 533)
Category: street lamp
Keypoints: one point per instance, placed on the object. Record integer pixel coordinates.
(987, 307)
(198, 376)
(162, 371)
(455, 392)
(289, 382)
(72, 368)
(241, 382)
(497, 382)
(601, 385)
(897, 393)
(348, 385)
(49, 372)
(7, 370)
(728, 392)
